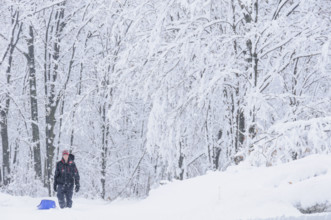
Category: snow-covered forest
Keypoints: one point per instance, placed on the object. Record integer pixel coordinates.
(143, 91)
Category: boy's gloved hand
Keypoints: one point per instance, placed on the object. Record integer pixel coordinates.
(77, 188)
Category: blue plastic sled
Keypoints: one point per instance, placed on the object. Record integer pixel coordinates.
(46, 204)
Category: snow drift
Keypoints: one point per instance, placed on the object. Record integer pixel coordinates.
(286, 191)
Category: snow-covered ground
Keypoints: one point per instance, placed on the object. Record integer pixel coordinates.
(241, 192)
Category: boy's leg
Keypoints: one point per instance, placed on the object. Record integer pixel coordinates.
(68, 195)
(60, 196)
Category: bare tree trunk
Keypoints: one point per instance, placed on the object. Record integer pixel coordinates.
(4, 109)
(34, 104)
(4, 142)
(104, 151)
(237, 112)
(47, 65)
(180, 175)
(252, 60)
(53, 99)
(217, 152)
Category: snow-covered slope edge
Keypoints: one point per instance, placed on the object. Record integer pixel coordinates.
(241, 192)
(244, 192)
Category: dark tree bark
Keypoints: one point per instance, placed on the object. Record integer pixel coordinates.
(5, 142)
(4, 108)
(104, 151)
(238, 117)
(52, 99)
(34, 104)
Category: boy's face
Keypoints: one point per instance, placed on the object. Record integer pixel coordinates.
(65, 157)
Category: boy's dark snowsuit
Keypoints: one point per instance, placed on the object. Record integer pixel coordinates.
(66, 174)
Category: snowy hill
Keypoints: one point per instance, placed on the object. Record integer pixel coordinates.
(241, 192)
